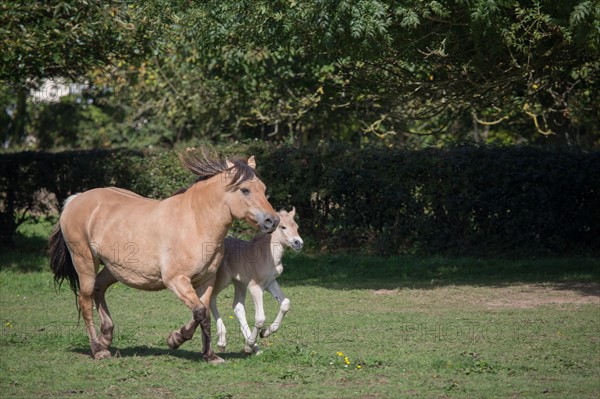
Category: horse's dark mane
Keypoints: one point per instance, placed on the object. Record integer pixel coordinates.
(205, 167)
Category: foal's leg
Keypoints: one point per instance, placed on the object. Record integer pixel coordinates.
(104, 280)
(259, 316)
(284, 307)
(182, 287)
(86, 266)
(221, 330)
(239, 308)
(222, 281)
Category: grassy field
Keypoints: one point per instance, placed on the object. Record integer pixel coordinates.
(360, 327)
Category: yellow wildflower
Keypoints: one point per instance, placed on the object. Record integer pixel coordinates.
(340, 354)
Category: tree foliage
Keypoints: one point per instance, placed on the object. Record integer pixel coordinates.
(56, 39)
(62, 38)
(416, 72)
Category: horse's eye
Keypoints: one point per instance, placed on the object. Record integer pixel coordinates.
(245, 191)
(283, 227)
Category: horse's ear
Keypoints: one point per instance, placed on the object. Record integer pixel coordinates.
(229, 164)
(293, 212)
(252, 162)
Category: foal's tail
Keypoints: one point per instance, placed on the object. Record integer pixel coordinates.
(60, 260)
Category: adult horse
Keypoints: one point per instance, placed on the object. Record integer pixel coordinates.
(151, 245)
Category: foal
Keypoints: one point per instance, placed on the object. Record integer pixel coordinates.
(255, 265)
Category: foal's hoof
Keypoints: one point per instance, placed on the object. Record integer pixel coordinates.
(254, 349)
(175, 340)
(102, 354)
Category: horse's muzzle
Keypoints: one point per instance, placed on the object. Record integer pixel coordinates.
(269, 224)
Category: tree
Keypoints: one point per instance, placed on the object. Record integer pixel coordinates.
(416, 72)
(321, 69)
(57, 38)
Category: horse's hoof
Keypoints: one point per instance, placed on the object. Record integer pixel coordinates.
(174, 341)
(222, 347)
(213, 359)
(102, 354)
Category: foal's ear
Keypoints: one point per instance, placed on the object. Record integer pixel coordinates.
(229, 164)
(252, 162)
(293, 212)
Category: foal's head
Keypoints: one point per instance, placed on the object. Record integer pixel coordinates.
(243, 192)
(287, 231)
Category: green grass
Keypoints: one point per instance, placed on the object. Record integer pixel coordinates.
(409, 326)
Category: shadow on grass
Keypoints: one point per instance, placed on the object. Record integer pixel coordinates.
(148, 351)
(31, 258)
(369, 272)
(29, 252)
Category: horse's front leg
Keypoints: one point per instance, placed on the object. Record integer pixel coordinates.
(182, 287)
(284, 307)
(256, 292)
(205, 293)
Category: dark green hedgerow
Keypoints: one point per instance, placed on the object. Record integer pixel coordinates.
(468, 200)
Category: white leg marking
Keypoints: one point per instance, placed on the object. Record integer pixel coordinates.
(284, 307)
(259, 317)
(221, 330)
(240, 310)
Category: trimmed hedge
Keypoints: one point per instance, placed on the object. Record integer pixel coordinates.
(469, 200)
(35, 182)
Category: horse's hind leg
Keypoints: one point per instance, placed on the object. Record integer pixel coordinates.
(104, 280)
(87, 266)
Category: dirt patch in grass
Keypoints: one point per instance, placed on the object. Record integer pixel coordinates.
(517, 296)
(531, 296)
(385, 292)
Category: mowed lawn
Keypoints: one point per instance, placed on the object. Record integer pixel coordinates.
(359, 327)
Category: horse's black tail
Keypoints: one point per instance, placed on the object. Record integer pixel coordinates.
(60, 260)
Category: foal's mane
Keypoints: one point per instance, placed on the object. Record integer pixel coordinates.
(206, 167)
